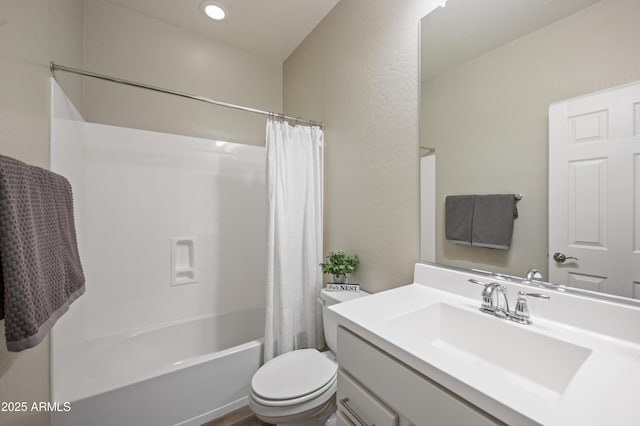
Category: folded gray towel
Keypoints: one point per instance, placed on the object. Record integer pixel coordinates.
(39, 260)
(493, 220)
(458, 218)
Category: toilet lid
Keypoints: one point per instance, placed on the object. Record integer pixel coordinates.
(293, 375)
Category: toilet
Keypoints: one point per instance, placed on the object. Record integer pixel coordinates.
(299, 387)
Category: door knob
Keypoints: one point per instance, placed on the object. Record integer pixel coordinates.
(560, 257)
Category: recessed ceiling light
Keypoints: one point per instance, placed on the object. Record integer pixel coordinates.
(213, 10)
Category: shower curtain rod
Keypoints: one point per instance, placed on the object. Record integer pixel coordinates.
(56, 67)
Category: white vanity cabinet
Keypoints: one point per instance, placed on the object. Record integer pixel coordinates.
(426, 354)
(377, 389)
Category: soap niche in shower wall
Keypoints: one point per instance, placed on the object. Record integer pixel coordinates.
(183, 261)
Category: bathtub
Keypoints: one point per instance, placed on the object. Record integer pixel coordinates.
(184, 373)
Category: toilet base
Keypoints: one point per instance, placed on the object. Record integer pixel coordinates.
(314, 417)
(332, 420)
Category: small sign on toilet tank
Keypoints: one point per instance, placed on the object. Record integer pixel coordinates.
(343, 287)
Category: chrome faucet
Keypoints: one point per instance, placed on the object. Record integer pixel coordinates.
(502, 303)
(495, 302)
(494, 299)
(531, 274)
(488, 304)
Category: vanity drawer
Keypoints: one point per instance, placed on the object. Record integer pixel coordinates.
(411, 394)
(343, 420)
(360, 406)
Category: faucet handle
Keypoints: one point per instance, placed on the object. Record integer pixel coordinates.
(521, 312)
(538, 295)
(474, 281)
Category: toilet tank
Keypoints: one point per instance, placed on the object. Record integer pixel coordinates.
(329, 319)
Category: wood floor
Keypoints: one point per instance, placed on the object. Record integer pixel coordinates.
(241, 417)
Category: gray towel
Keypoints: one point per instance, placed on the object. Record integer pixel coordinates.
(40, 266)
(458, 218)
(493, 220)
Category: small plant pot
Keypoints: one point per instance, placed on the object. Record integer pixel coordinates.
(339, 279)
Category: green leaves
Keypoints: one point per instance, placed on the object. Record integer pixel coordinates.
(338, 263)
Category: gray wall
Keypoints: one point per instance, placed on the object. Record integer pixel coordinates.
(488, 120)
(127, 44)
(358, 73)
(31, 34)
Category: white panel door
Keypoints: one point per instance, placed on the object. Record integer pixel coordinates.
(594, 191)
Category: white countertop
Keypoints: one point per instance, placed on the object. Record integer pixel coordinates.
(605, 389)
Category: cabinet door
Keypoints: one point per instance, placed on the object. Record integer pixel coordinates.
(361, 406)
(411, 395)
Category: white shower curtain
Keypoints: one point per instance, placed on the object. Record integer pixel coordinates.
(294, 277)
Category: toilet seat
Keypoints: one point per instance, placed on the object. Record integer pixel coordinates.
(320, 407)
(301, 399)
(293, 378)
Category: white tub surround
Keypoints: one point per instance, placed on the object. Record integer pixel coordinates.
(172, 233)
(578, 363)
(141, 197)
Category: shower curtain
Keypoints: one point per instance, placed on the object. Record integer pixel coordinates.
(294, 277)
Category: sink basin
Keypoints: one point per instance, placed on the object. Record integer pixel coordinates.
(489, 345)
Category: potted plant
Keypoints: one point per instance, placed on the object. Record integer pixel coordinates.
(340, 265)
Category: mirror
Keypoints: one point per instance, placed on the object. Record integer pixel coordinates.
(489, 72)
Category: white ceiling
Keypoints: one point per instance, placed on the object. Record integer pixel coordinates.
(269, 28)
(464, 29)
